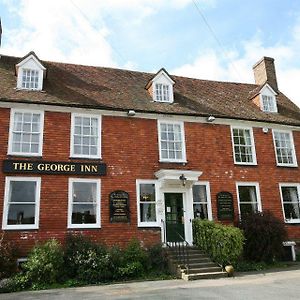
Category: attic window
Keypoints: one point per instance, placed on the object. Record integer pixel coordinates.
(162, 92)
(30, 79)
(269, 103)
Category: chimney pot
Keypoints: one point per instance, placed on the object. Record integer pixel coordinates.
(264, 72)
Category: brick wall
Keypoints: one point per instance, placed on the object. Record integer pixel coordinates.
(130, 150)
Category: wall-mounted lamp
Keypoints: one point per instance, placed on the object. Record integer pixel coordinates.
(210, 118)
(131, 113)
(183, 179)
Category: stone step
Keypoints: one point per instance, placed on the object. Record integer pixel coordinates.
(201, 265)
(209, 275)
(204, 270)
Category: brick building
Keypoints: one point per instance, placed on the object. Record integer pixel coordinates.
(116, 154)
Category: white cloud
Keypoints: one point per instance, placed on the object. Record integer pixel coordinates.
(237, 67)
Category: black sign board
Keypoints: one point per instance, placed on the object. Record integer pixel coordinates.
(53, 167)
(225, 206)
(119, 207)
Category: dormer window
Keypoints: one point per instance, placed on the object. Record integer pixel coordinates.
(30, 73)
(269, 103)
(268, 99)
(30, 79)
(162, 92)
(160, 87)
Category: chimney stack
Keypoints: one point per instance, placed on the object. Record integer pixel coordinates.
(264, 72)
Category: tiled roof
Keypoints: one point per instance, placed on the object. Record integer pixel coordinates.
(116, 89)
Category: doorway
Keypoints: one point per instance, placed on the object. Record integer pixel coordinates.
(174, 211)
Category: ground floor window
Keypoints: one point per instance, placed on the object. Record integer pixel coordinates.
(202, 201)
(21, 203)
(290, 197)
(146, 203)
(248, 197)
(84, 203)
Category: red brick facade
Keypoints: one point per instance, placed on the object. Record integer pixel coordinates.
(130, 150)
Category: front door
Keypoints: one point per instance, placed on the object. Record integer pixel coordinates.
(174, 217)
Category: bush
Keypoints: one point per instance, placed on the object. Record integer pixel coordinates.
(264, 236)
(158, 261)
(8, 260)
(223, 243)
(87, 261)
(44, 264)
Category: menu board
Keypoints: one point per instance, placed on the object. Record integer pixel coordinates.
(225, 206)
(119, 207)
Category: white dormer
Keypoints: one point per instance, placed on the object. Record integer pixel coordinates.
(30, 73)
(161, 87)
(268, 101)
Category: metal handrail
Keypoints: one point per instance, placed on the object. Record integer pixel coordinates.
(181, 251)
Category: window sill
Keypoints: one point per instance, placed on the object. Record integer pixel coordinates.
(173, 161)
(86, 157)
(39, 155)
(148, 226)
(245, 164)
(84, 227)
(295, 221)
(287, 165)
(20, 228)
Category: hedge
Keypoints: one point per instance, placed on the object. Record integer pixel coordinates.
(224, 244)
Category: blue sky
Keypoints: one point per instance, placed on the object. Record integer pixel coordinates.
(146, 35)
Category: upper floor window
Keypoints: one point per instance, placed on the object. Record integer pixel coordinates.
(243, 146)
(30, 79)
(202, 201)
(284, 148)
(171, 141)
(248, 198)
(269, 103)
(162, 92)
(85, 136)
(267, 98)
(26, 132)
(146, 203)
(30, 72)
(290, 197)
(21, 203)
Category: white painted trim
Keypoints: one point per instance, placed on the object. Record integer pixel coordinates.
(139, 222)
(208, 195)
(98, 203)
(8, 179)
(295, 164)
(288, 184)
(254, 163)
(98, 156)
(256, 185)
(31, 56)
(151, 116)
(10, 137)
(183, 160)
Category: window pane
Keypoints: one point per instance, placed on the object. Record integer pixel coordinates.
(247, 194)
(84, 191)
(147, 212)
(147, 192)
(284, 148)
(84, 214)
(248, 208)
(22, 191)
(21, 214)
(243, 147)
(200, 211)
(199, 193)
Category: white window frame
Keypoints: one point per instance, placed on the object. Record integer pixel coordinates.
(8, 179)
(252, 145)
(294, 164)
(256, 185)
(270, 98)
(163, 87)
(183, 159)
(208, 198)
(98, 202)
(139, 222)
(288, 184)
(22, 70)
(11, 125)
(72, 154)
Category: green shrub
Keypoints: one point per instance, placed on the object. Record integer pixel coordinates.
(87, 261)
(8, 260)
(223, 243)
(44, 264)
(158, 261)
(264, 235)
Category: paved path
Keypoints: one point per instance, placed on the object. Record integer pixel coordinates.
(271, 285)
